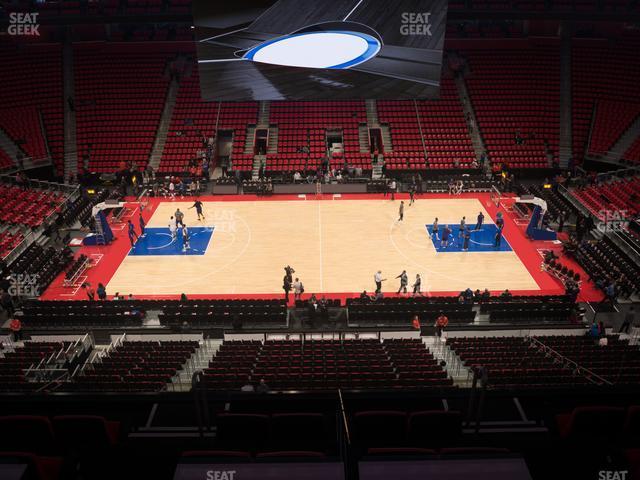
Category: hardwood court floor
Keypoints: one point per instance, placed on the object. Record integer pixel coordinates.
(335, 246)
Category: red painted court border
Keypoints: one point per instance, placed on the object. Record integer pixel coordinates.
(525, 249)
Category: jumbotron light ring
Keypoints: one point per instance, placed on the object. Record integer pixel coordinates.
(330, 45)
(333, 49)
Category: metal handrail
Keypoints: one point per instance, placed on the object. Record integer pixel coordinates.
(344, 418)
(567, 360)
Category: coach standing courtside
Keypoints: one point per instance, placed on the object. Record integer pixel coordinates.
(378, 279)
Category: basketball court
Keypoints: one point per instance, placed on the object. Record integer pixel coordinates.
(334, 244)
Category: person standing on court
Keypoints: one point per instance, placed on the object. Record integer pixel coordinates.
(298, 289)
(412, 194)
(404, 281)
(401, 211)
(185, 239)
(198, 206)
(101, 291)
(445, 236)
(498, 238)
(172, 228)
(467, 238)
(435, 228)
(392, 189)
(132, 232)
(286, 286)
(142, 225)
(463, 224)
(417, 285)
(480, 221)
(179, 217)
(289, 271)
(378, 279)
(91, 294)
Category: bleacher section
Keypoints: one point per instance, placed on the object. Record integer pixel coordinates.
(41, 265)
(610, 122)
(605, 263)
(513, 362)
(8, 242)
(325, 365)
(515, 90)
(14, 363)
(437, 127)
(633, 154)
(29, 207)
(224, 313)
(192, 118)
(604, 77)
(304, 125)
(618, 363)
(5, 160)
(189, 314)
(120, 95)
(400, 311)
(617, 195)
(33, 86)
(143, 366)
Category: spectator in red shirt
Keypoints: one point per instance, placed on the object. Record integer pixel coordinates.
(441, 323)
(16, 328)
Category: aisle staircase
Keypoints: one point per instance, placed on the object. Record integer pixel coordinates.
(163, 127)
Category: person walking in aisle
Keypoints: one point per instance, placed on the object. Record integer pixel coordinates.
(628, 321)
(404, 281)
(441, 323)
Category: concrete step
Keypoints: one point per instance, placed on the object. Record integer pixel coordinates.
(250, 142)
(476, 137)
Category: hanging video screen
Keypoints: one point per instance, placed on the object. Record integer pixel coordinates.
(319, 49)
